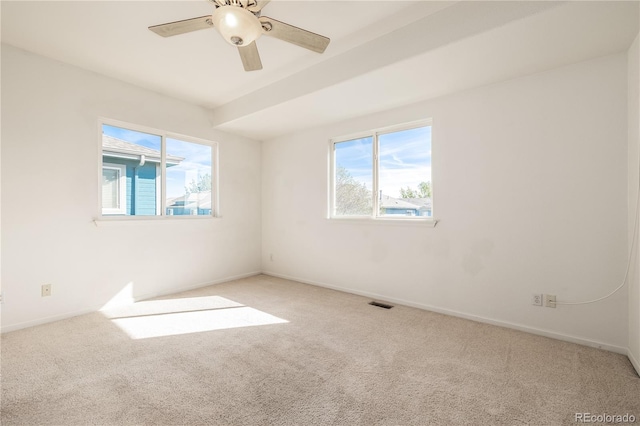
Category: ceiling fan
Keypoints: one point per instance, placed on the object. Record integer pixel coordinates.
(240, 23)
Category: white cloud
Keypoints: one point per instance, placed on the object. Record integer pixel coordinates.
(391, 180)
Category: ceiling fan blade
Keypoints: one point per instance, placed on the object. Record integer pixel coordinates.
(258, 6)
(295, 35)
(180, 27)
(250, 57)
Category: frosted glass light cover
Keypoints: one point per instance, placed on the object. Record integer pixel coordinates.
(238, 26)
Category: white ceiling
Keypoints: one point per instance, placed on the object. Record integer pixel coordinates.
(382, 54)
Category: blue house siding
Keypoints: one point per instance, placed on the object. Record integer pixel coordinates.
(141, 186)
(181, 211)
(144, 193)
(402, 211)
(407, 212)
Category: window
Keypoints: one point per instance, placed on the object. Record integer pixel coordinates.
(151, 173)
(383, 174)
(114, 188)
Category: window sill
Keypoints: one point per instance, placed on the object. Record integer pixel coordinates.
(137, 220)
(428, 223)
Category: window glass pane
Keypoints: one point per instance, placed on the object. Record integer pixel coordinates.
(405, 172)
(139, 156)
(189, 178)
(110, 195)
(354, 177)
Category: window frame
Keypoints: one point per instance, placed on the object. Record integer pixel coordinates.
(122, 189)
(375, 166)
(161, 170)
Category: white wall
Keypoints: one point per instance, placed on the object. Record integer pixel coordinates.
(50, 160)
(530, 186)
(634, 169)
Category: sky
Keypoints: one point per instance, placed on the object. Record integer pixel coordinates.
(197, 157)
(405, 159)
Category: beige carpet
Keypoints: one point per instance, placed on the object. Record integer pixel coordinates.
(266, 351)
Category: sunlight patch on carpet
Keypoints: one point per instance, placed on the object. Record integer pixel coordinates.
(169, 306)
(194, 322)
(171, 317)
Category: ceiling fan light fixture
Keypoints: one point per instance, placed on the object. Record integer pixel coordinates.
(238, 26)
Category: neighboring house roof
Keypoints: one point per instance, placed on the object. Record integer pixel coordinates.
(422, 202)
(200, 200)
(404, 203)
(114, 147)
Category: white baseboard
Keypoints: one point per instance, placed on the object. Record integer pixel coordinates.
(634, 361)
(506, 324)
(45, 320)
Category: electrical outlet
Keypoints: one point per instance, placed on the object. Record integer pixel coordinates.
(46, 290)
(536, 299)
(550, 301)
